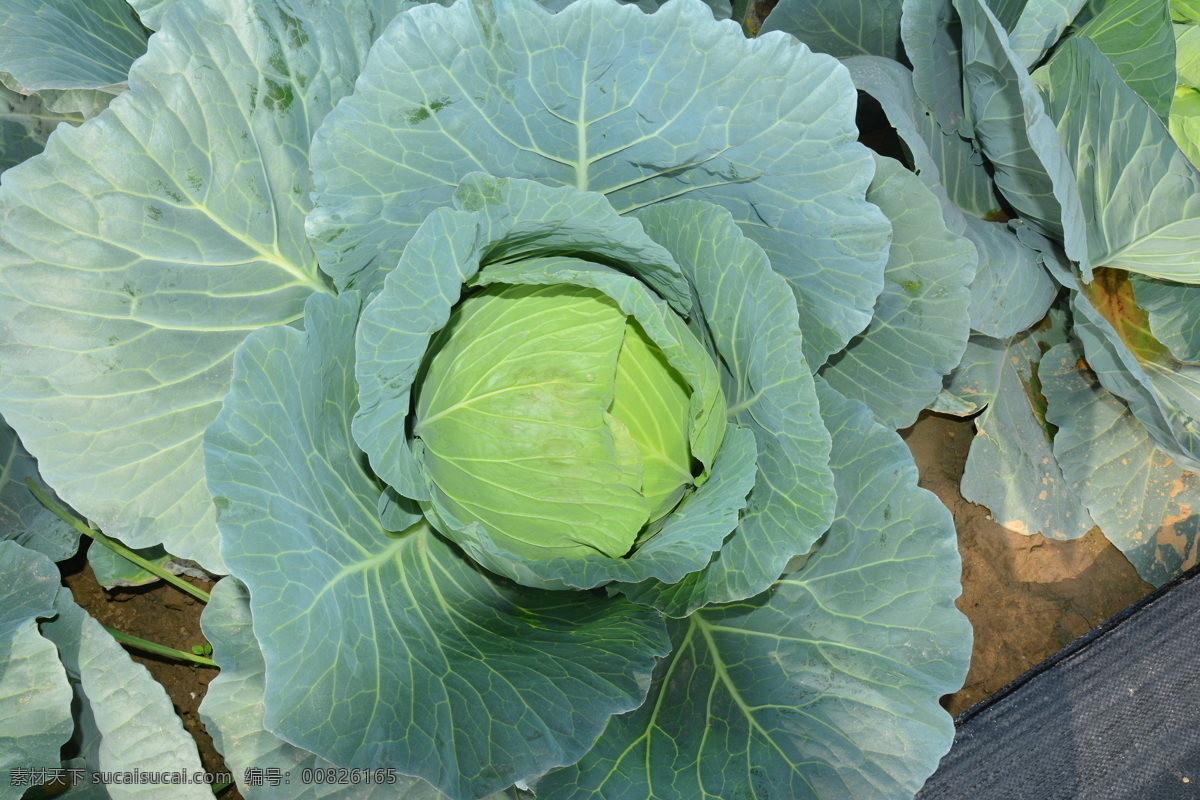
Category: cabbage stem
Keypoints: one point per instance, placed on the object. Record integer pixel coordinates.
(158, 649)
(119, 549)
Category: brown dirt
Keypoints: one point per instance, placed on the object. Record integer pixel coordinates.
(167, 616)
(1026, 596)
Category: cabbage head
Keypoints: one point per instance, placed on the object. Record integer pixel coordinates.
(549, 397)
(532, 375)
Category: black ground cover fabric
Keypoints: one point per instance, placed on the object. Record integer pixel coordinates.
(1114, 716)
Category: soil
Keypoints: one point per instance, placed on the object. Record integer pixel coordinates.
(163, 614)
(1026, 596)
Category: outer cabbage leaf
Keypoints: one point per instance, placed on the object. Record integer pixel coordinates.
(1141, 195)
(825, 686)
(1136, 36)
(48, 535)
(26, 122)
(151, 12)
(22, 518)
(1011, 467)
(125, 721)
(1146, 504)
(1039, 26)
(760, 126)
(975, 381)
(842, 29)
(920, 326)
(69, 57)
(394, 334)
(749, 322)
(721, 9)
(1162, 392)
(1174, 311)
(1031, 169)
(76, 105)
(35, 698)
(385, 648)
(520, 219)
(23, 129)
(946, 163)
(1011, 290)
(932, 34)
(144, 246)
(1008, 12)
(233, 710)
(113, 569)
(68, 44)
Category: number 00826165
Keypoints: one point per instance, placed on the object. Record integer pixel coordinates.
(348, 777)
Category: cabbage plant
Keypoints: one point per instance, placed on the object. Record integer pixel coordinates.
(1045, 129)
(1115, 221)
(531, 371)
(532, 375)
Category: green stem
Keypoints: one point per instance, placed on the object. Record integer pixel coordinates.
(220, 787)
(162, 650)
(119, 549)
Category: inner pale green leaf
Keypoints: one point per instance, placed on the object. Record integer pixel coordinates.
(653, 401)
(512, 413)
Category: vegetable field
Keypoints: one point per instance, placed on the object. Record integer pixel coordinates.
(522, 397)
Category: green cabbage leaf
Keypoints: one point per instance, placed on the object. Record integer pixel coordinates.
(531, 372)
